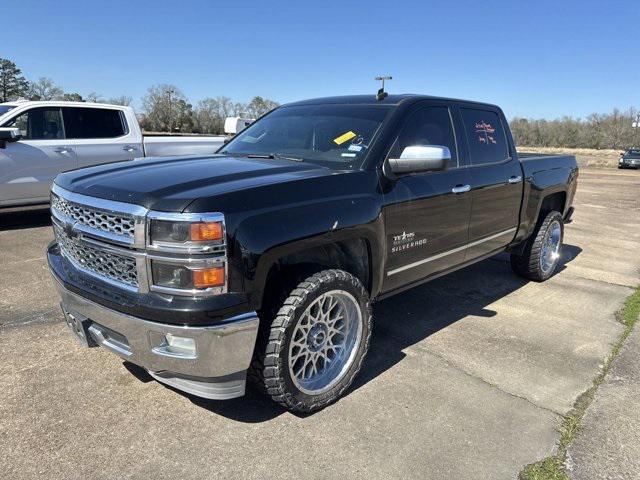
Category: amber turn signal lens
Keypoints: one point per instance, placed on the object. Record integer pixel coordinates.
(206, 231)
(211, 277)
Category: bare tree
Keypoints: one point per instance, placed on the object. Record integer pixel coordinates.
(207, 116)
(613, 130)
(12, 84)
(210, 114)
(94, 97)
(259, 106)
(124, 100)
(72, 97)
(44, 89)
(166, 109)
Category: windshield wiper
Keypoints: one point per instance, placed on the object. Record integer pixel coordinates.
(273, 156)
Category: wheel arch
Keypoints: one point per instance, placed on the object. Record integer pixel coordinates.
(554, 201)
(283, 272)
(550, 200)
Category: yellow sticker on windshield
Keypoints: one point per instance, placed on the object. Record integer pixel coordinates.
(344, 137)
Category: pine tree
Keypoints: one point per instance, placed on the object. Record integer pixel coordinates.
(12, 84)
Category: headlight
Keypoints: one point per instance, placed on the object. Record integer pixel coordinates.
(190, 233)
(183, 277)
(187, 253)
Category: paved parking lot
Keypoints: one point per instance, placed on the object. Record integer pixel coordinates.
(466, 376)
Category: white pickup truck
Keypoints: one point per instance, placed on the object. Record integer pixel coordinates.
(38, 140)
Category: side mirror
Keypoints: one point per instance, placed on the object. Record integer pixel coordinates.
(421, 159)
(9, 135)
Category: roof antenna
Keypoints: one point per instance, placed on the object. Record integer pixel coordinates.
(381, 95)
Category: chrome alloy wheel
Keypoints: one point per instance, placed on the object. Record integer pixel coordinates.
(325, 342)
(550, 253)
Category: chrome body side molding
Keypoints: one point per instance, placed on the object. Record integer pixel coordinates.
(450, 252)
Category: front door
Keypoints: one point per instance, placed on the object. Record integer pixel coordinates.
(28, 167)
(426, 221)
(496, 181)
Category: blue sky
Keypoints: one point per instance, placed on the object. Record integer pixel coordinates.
(536, 59)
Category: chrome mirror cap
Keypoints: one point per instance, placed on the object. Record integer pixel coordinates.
(421, 158)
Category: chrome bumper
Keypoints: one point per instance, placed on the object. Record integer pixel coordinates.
(217, 370)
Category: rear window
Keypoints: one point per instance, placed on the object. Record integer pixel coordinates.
(93, 123)
(485, 136)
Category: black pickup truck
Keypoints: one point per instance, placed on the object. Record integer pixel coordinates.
(266, 257)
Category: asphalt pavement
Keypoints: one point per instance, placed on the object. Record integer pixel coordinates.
(467, 375)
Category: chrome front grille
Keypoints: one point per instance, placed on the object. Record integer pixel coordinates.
(110, 222)
(108, 240)
(109, 265)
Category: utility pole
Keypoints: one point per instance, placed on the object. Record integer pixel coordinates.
(169, 92)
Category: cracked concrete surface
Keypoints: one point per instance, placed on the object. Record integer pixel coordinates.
(466, 376)
(608, 443)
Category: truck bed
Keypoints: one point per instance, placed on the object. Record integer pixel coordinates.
(536, 162)
(169, 145)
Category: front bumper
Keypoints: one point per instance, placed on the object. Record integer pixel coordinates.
(216, 370)
(629, 164)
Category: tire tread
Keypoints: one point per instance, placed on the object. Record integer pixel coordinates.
(267, 369)
(527, 265)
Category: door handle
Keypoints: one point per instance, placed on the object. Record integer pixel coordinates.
(515, 179)
(461, 188)
(62, 150)
(129, 148)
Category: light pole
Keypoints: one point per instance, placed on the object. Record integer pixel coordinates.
(169, 92)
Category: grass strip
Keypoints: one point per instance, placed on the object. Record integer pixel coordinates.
(553, 467)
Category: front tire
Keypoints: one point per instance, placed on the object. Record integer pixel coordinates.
(542, 251)
(317, 341)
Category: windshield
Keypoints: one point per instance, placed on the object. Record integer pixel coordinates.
(633, 153)
(336, 136)
(5, 108)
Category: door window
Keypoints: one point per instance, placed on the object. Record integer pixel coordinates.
(39, 124)
(485, 135)
(428, 126)
(83, 123)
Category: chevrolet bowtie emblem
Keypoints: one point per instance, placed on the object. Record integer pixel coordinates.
(70, 230)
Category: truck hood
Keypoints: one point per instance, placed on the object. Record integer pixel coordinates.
(170, 184)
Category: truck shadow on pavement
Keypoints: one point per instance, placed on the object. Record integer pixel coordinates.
(412, 316)
(27, 219)
(399, 322)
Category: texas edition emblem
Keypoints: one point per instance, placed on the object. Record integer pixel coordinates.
(406, 241)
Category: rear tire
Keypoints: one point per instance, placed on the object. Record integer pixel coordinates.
(316, 343)
(542, 251)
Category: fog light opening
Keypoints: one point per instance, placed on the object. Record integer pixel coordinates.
(184, 346)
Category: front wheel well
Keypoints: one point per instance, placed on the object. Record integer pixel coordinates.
(352, 256)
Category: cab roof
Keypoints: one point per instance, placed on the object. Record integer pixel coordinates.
(56, 103)
(370, 99)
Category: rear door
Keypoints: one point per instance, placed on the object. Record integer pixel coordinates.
(28, 167)
(426, 222)
(100, 135)
(496, 180)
